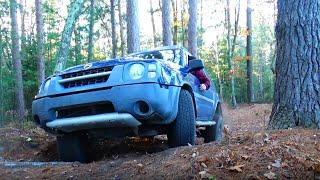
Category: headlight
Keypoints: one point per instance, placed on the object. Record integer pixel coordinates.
(136, 71)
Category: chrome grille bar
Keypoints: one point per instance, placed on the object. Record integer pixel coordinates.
(89, 76)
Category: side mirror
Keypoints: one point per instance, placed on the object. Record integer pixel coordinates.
(195, 64)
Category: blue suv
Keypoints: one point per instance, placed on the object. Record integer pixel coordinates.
(144, 94)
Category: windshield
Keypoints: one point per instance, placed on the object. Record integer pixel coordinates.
(172, 55)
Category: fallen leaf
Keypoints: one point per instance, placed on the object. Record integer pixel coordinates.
(202, 158)
(236, 168)
(204, 165)
(277, 163)
(245, 157)
(204, 175)
(270, 175)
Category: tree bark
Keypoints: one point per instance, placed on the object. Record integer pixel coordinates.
(261, 75)
(73, 14)
(133, 29)
(249, 53)
(40, 43)
(91, 26)
(192, 27)
(77, 41)
(297, 86)
(166, 23)
(175, 21)
(17, 61)
(113, 29)
(231, 48)
(23, 39)
(121, 29)
(1, 80)
(153, 25)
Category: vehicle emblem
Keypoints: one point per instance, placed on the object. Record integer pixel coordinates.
(87, 66)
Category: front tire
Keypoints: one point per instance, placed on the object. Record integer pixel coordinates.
(73, 147)
(214, 133)
(183, 130)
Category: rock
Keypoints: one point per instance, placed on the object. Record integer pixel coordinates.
(270, 175)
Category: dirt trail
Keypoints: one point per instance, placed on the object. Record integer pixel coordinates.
(246, 152)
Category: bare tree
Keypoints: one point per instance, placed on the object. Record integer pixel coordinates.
(133, 29)
(175, 21)
(40, 43)
(192, 27)
(297, 86)
(231, 47)
(17, 61)
(249, 53)
(113, 29)
(122, 42)
(152, 11)
(91, 26)
(23, 26)
(77, 42)
(73, 13)
(166, 23)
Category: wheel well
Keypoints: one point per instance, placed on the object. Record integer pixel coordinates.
(189, 88)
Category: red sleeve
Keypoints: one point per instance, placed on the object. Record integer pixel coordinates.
(202, 78)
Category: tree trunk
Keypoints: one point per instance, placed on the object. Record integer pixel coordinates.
(249, 53)
(91, 25)
(40, 43)
(192, 27)
(77, 41)
(73, 13)
(17, 61)
(23, 27)
(261, 75)
(183, 24)
(297, 86)
(175, 21)
(1, 81)
(217, 57)
(166, 23)
(153, 25)
(231, 48)
(113, 29)
(133, 29)
(121, 29)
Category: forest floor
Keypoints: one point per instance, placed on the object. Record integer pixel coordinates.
(247, 151)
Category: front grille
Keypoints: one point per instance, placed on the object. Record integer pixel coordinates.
(86, 77)
(85, 110)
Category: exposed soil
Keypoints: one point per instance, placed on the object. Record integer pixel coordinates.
(247, 151)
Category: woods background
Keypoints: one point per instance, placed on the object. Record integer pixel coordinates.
(235, 39)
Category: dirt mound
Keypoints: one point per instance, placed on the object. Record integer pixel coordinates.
(246, 152)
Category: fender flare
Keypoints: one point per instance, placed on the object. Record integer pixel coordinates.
(188, 87)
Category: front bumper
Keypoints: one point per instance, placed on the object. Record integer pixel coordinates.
(162, 102)
(94, 121)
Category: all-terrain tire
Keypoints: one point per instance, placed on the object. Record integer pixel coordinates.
(73, 147)
(182, 131)
(214, 133)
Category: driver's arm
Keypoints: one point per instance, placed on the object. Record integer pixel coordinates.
(202, 78)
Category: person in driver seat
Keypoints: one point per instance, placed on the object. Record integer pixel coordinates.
(204, 80)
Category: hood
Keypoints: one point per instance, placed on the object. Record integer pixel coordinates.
(106, 63)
